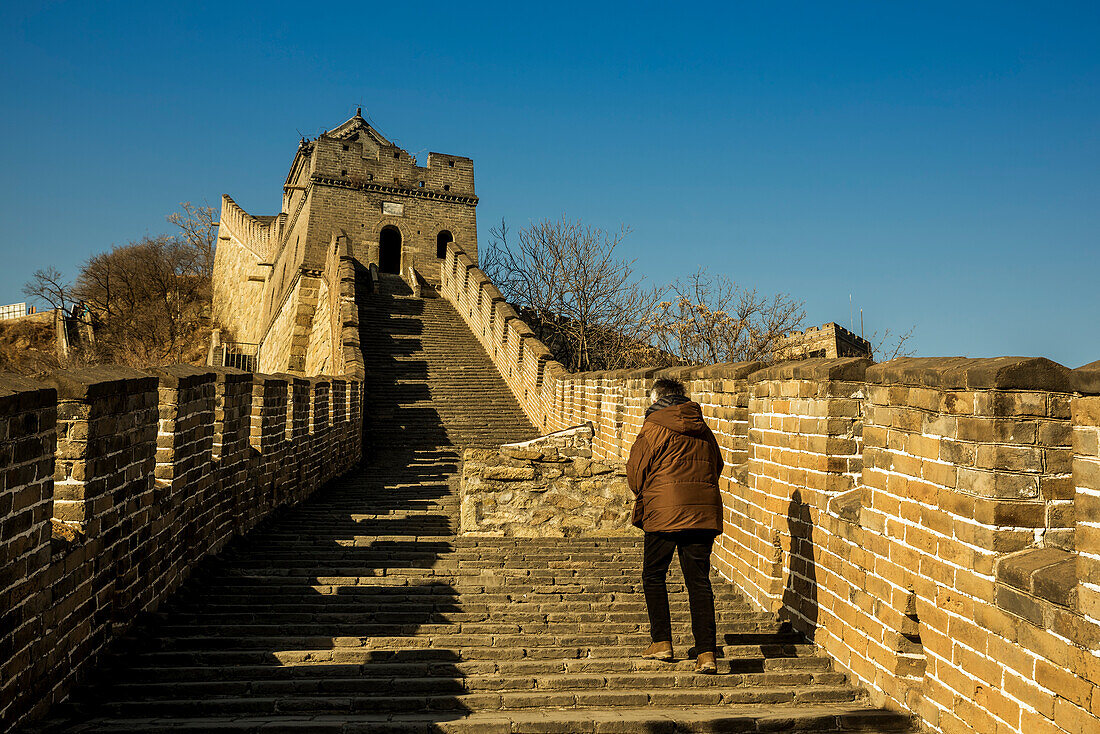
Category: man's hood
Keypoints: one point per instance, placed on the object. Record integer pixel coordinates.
(684, 418)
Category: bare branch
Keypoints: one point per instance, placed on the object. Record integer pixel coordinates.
(710, 319)
(891, 346)
(49, 285)
(567, 280)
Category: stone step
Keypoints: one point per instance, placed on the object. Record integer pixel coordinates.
(425, 695)
(516, 645)
(387, 608)
(415, 649)
(368, 625)
(404, 683)
(466, 669)
(473, 584)
(742, 718)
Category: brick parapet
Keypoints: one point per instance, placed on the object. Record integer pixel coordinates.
(108, 521)
(314, 326)
(231, 449)
(28, 414)
(1086, 483)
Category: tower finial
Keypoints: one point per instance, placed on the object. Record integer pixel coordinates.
(358, 111)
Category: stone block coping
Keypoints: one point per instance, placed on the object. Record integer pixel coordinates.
(962, 373)
(1086, 379)
(18, 394)
(98, 382)
(1046, 573)
(849, 369)
(182, 376)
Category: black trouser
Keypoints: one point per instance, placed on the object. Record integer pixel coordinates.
(694, 548)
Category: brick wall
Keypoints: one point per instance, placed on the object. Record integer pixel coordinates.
(28, 414)
(117, 482)
(315, 329)
(933, 524)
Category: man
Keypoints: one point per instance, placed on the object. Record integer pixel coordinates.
(673, 471)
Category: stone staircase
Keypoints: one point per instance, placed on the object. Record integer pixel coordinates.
(361, 610)
(428, 378)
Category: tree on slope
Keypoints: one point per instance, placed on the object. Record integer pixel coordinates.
(149, 299)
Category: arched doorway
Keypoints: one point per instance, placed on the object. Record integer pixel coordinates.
(441, 241)
(389, 250)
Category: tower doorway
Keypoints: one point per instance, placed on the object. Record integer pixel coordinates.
(441, 241)
(389, 250)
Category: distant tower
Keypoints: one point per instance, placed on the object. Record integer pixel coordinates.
(829, 340)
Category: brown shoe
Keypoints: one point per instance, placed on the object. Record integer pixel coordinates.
(705, 664)
(659, 651)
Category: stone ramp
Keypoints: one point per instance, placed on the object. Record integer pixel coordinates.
(362, 610)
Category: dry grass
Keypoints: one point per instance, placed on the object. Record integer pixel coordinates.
(27, 348)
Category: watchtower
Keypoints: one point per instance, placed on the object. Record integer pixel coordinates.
(352, 184)
(395, 212)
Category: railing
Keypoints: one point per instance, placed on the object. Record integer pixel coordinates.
(14, 311)
(241, 355)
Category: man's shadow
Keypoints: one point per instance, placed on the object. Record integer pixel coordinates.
(800, 606)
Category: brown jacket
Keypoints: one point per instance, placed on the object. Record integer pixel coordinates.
(673, 472)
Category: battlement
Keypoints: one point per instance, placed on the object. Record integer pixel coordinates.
(255, 233)
(931, 523)
(115, 483)
(359, 162)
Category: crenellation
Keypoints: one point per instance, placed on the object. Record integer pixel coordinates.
(115, 483)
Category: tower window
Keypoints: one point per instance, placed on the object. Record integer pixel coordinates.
(396, 155)
(446, 187)
(346, 146)
(370, 176)
(451, 164)
(343, 171)
(421, 184)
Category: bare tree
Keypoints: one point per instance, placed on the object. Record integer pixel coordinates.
(567, 280)
(196, 225)
(49, 285)
(150, 301)
(711, 319)
(891, 346)
(493, 256)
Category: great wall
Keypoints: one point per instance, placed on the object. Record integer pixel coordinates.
(366, 535)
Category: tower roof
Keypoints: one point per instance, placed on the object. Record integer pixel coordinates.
(356, 124)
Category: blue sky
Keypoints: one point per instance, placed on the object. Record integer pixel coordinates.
(939, 162)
